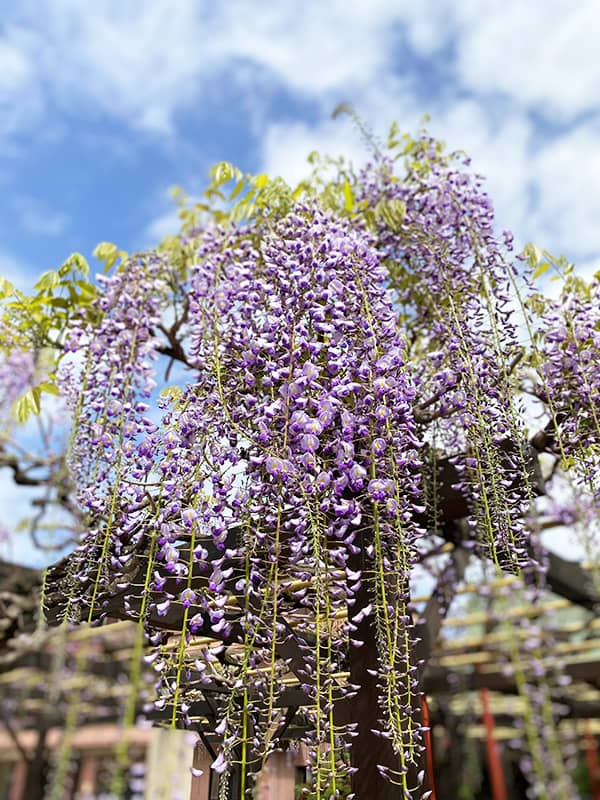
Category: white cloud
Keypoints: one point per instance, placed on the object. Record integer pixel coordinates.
(163, 224)
(15, 271)
(499, 148)
(285, 147)
(568, 179)
(20, 96)
(321, 47)
(542, 55)
(35, 218)
(145, 63)
(544, 190)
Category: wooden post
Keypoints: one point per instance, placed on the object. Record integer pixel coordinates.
(591, 757)
(368, 749)
(168, 761)
(493, 753)
(86, 783)
(200, 783)
(37, 769)
(277, 779)
(19, 779)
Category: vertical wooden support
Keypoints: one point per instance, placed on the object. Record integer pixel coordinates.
(591, 757)
(37, 768)
(200, 784)
(86, 783)
(493, 753)
(19, 779)
(234, 784)
(277, 780)
(168, 762)
(428, 746)
(368, 749)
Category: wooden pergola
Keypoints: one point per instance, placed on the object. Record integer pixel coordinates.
(442, 658)
(458, 666)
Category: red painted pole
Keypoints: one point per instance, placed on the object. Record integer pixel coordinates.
(493, 753)
(428, 745)
(591, 757)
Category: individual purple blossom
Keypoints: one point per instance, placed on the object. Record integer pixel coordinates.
(187, 597)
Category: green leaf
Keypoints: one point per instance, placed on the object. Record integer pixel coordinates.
(171, 393)
(81, 263)
(260, 181)
(224, 171)
(75, 262)
(342, 108)
(22, 410)
(26, 405)
(108, 253)
(59, 302)
(543, 267)
(48, 281)
(177, 194)
(35, 399)
(348, 196)
(6, 288)
(533, 253)
(49, 388)
(86, 288)
(237, 189)
(392, 213)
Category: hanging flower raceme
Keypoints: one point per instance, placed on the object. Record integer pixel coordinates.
(568, 358)
(298, 437)
(450, 280)
(293, 451)
(107, 383)
(18, 373)
(568, 362)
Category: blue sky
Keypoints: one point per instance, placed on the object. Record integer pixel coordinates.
(105, 105)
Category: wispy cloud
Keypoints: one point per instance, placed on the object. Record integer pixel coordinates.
(165, 223)
(15, 270)
(21, 103)
(516, 85)
(144, 63)
(34, 217)
(541, 55)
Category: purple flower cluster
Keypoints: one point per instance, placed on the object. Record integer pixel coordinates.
(450, 281)
(298, 433)
(569, 355)
(17, 376)
(279, 501)
(107, 382)
(293, 452)
(547, 754)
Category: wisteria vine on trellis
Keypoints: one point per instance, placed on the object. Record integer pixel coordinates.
(333, 346)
